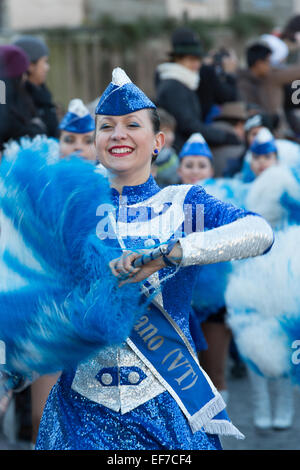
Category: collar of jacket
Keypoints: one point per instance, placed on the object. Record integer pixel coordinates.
(135, 194)
(173, 71)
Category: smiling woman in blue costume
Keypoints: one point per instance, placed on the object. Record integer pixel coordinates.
(148, 392)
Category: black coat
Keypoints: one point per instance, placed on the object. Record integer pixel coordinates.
(182, 103)
(44, 106)
(18, 117)
(215, 88)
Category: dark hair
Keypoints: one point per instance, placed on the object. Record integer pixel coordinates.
(166, 119)
(257, 52)
(155, 119)
(292, 27)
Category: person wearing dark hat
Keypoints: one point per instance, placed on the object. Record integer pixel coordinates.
(38, 54)
(177, 82)
(18, 117)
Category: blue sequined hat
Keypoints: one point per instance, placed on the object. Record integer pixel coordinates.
(122, 96)
(196, 145)
(264, 142)
(78, 119)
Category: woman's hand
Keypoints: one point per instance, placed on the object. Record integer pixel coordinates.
(123, 268)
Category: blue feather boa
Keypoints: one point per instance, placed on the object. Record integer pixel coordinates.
(59, 302)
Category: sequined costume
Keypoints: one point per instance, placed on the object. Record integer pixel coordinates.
(262, 295)
(113, 400)
(67, 313)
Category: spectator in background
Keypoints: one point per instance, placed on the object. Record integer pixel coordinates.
(38, 54)
(208, 312)
(232, 118)
(291, 33)
(177, 82)
(263, 84)
(164, 168)
(77, 137)
(217, 83)
(263, 152)
(291, 37)
(77, 132)
(18, 117)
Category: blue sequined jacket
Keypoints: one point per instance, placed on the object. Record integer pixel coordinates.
(182, 211)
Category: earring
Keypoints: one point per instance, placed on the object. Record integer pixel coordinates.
(155, 151)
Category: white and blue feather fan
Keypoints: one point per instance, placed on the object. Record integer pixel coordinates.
(59, 303)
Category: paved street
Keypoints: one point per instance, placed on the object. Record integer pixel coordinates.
(239, 409)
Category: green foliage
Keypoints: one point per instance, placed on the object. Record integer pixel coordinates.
(121, 36)
(245, 25)
(116, 35)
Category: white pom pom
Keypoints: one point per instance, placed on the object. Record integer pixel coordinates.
(196, 137)
(264, 135)
(77, 107)
(119, 77)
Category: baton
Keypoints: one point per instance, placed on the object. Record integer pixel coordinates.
(162, 250)
(153, 254)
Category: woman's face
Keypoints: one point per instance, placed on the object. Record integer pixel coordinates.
(194, 168)
(38, 71)
(125, 144)
(82, 144)
(191, 62)
(260, 163)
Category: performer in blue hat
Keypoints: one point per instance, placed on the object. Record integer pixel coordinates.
(150, 392)
(143, 387)
(264, 151)
(77, 132)
(196, 160)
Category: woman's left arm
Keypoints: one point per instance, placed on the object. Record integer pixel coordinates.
(245, 237)
(231, 233)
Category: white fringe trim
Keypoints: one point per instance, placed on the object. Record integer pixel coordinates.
(223, 427)
(206, 413)
(204, 419)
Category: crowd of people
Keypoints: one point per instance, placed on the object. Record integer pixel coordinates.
(234, 132)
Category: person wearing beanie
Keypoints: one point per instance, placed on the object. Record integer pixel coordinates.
(14, 62)
(176, 85)
(18, 117)
(77, 131)
(38, 53)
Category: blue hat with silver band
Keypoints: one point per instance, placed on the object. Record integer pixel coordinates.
(78, 119)
(264, 142)
(122, 96)
(196, 145)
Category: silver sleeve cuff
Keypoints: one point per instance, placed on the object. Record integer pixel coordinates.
(243, 238)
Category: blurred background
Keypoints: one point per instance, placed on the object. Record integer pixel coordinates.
(96, 35)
